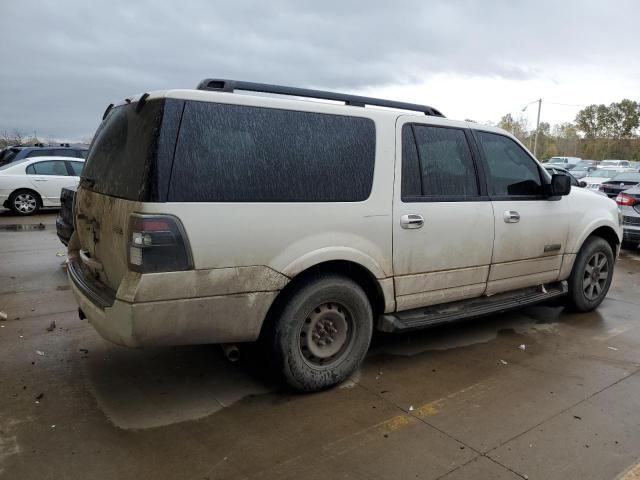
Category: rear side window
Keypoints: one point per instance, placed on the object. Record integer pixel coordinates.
(53, 167)
(436, 162)
(233, 153)
(44, 152)
(67, 152)
(511, 171)
(123, 151)
(76, 168)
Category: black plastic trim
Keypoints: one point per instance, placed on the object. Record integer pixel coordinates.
(477, 307)
(224, 85)
(99, 294)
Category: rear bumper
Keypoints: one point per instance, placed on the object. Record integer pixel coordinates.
(631, 234)
(218, 318)
(63, 230)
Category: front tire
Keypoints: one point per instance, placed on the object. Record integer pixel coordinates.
(591, 275)
(24, 202)
(322, 333)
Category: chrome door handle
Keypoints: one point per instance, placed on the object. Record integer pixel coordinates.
(511, 216)
(40, 179)
(411, 221)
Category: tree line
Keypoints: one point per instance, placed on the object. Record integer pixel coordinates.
(598, 132)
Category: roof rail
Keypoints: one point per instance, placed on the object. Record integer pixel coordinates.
(222, 85)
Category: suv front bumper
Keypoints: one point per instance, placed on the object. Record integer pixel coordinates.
(138, 317)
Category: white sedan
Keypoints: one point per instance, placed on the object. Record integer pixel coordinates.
(29, 185)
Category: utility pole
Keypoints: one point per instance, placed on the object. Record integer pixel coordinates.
(535, 142)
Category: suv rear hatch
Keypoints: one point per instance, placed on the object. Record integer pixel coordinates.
(125, 167)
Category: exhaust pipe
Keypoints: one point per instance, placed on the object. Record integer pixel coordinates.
(231, 351)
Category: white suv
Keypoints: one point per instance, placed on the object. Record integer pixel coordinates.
(208, 216)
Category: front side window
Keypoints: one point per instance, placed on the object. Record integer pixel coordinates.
(511, 171)
(437, 162)
(53, 167)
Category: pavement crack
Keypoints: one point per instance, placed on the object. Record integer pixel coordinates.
(524, 432)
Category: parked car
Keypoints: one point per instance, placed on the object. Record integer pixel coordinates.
(14, 154)
(620, 183)
(581, 171)
(64, 221)
(28, 185)
(629, 203)
(566, 162)
(600, 175)
(614, 164)
(553, 169)
(300, 224)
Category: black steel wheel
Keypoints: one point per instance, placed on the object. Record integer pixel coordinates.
(322, 332)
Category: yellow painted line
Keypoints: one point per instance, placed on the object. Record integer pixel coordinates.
(428, 409)
(633, 473)
(397, 423)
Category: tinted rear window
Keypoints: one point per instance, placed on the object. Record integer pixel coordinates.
(123, 150)
(232, 153)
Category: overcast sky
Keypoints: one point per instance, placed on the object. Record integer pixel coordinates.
(63, 61)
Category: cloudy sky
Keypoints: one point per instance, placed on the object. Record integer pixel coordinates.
(65, 60)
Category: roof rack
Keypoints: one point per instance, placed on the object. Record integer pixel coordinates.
(222, 85)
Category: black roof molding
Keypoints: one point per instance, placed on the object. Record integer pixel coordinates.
(223, 85)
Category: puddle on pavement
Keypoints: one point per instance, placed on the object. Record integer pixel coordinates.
(140, 389)
(23, 227)
(471, 332)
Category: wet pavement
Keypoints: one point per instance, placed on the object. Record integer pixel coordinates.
(455, 402)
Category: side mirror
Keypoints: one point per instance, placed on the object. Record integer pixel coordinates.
(560, 185)
(582, 184)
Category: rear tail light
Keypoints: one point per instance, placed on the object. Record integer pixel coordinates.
(625, 200)
(158, 243)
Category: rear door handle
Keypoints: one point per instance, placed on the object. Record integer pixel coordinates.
(511, 216)
(40, 179)
(411, 221)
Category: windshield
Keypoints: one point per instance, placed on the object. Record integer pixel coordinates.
(557, 160)
(609, 162)
(581, 168)
(604, 173)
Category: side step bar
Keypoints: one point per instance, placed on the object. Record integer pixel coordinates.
(464, 309)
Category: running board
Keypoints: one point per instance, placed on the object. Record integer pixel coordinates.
(464, 309)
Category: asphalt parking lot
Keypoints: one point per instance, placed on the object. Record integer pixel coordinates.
(539, 394)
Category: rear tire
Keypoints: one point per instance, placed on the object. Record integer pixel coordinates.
(591, 275)
(322, 333)
(25, 202)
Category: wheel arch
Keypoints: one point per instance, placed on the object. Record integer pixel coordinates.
(608, 234)
(379, 291)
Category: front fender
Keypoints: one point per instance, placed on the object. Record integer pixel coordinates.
(590, 211)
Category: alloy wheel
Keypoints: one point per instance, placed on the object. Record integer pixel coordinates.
(596, 274)
(25, 203)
